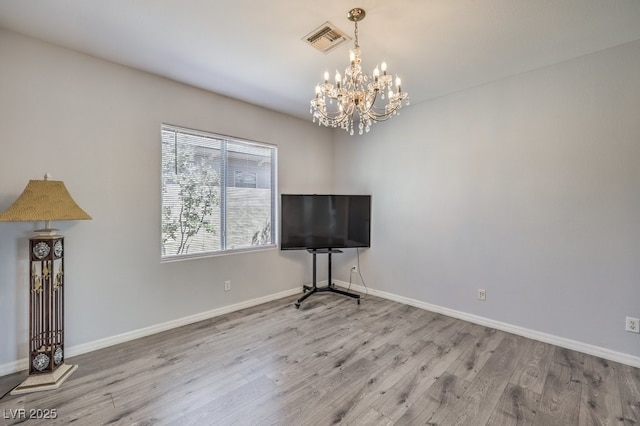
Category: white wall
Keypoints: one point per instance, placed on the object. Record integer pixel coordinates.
(528, 187)
(96, 126)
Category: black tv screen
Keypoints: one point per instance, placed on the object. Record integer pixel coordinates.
(311, 221)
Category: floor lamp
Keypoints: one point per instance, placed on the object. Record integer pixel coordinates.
(45, 200)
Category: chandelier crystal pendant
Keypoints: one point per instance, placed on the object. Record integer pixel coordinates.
(372, 97)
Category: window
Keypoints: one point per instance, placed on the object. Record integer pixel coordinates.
(218, 193)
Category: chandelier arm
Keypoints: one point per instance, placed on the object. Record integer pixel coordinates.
(339, 118)
(371, 102)
(373, 114)
(382, 117)
(387, 114)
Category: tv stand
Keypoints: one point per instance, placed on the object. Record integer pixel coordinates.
(309, 290)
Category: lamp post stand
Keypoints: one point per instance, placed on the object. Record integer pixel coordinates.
(47, 369)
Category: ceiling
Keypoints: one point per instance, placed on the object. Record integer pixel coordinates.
(254, 50)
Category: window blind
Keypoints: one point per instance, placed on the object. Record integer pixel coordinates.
(218, 193)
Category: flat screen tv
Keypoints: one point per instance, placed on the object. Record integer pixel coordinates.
(312, 221)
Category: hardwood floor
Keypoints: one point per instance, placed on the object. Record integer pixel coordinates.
(335, 362)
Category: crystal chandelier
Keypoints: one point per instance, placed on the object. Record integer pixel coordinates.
(357, 93)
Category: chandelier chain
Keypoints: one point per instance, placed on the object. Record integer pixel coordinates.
(355, 32)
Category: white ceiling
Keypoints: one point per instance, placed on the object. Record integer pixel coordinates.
(253, 50)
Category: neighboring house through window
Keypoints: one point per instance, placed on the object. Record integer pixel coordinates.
(218, 193)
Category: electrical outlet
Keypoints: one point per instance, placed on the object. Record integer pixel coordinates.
(482, 294)
(354, 268)
(227, 285)
(632, 325)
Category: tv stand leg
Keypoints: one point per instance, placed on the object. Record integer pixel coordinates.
(331, 287)
(308, 292)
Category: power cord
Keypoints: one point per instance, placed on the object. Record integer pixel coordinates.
(366, 289)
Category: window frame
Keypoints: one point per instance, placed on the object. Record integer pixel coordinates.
(224, 186)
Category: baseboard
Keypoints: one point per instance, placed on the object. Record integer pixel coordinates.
(23, 364)
(586, 348)
(634, 361)
(14, 367)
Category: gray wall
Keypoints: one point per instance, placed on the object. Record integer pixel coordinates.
(96, 126)
(528, 187)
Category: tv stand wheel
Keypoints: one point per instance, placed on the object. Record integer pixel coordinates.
(358, 300)
(297, 306)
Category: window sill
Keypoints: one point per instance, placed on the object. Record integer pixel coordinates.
(181, 257)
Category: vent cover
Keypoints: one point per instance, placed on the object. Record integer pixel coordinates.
(326, 37)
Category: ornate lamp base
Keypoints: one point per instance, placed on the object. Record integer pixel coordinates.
(45, 381)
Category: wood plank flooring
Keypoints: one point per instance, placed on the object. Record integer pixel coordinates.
(335, 362)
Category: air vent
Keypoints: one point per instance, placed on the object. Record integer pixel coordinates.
(326, 37)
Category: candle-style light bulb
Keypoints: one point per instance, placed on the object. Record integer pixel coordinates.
(383, 66)
(317, 89)
(352, 56)
(326, 76)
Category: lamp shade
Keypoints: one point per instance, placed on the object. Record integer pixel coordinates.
(44, 200)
